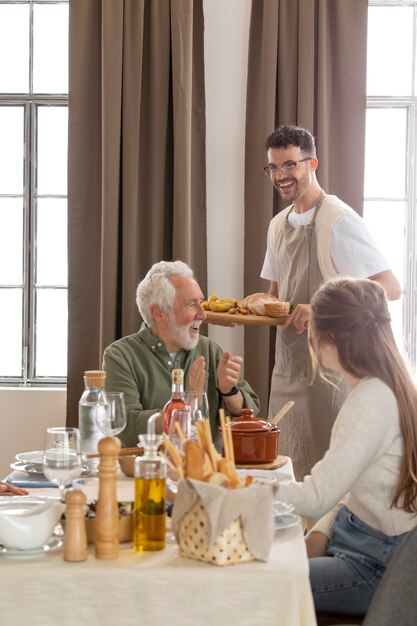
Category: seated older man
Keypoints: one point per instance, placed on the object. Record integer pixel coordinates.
(169, 301)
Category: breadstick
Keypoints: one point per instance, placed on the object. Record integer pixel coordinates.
(230, 439)
(180, 432)
(168, 462)
(175, 455)
(224, 435)
(210, 448)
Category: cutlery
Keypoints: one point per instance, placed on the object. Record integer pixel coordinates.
(123, 452)
(282, 412)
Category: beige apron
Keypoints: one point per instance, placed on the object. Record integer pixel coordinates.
(305, 430)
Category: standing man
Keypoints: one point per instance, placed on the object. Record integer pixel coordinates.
(315, 238)
(169, 301)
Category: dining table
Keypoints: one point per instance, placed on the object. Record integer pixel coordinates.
(159, 588)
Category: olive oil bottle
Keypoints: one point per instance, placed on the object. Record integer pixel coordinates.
(150, 492)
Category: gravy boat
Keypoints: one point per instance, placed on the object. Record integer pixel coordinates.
(27, 523)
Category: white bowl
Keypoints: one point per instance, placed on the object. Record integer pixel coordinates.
(33, 458)
(26, 522)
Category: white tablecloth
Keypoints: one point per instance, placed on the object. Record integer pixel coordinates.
(160, 589)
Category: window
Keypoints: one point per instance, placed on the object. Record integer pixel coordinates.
(390, 155)
(33, 190)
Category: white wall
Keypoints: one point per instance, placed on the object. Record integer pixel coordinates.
(24, 416)
(226, 52)
(26, 413)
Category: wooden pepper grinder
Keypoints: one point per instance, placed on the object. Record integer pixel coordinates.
(107, 514)
(75, 538)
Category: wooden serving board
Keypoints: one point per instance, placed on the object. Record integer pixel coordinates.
(279, 462)
(233, 319)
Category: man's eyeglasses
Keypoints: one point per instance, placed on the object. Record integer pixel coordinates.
(286, 167)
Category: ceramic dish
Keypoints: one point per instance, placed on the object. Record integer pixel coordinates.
(34, 457)
(265, 476)
(286, 521)
(52, 545)
(255, 440)
(282, 508)
(28, 468)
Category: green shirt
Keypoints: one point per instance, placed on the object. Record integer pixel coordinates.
(140, 366)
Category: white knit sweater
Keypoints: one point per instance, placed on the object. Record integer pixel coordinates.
(361, 467)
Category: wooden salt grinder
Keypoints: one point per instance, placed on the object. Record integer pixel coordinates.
(107, 514)
(75, 537)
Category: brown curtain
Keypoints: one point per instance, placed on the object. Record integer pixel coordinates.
(307, 66)
(136, 163)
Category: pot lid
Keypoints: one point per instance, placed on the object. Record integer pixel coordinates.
(248, 423)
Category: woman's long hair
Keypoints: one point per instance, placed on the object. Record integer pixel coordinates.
(353, 315)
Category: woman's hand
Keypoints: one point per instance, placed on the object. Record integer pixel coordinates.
(6, 488)
(316, 543)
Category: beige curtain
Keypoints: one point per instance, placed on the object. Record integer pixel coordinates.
(307, 66)
(136, 163)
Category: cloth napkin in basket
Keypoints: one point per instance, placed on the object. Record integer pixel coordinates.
(253, 504)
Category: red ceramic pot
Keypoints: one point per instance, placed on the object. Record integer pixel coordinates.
(255, 440)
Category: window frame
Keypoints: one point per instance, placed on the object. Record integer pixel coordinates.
(409, 103)
(31, 104)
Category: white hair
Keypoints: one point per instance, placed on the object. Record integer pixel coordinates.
(157, 288)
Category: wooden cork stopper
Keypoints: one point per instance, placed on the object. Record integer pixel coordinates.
(75, 537)
(177, 377)
(107, 513)
(94, 378)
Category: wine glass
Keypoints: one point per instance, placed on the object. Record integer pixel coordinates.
(61, 459)
(183, 418)
(198, 402)
(112, 420)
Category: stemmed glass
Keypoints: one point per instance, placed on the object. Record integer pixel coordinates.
(112, 420)
(183, 418)
(61, 458)
(198, 402)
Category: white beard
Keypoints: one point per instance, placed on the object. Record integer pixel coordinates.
(181, 335)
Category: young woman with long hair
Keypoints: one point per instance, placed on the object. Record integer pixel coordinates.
(364, 490)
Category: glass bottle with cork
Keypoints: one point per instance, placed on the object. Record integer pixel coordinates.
(177, 398)
(92, 402)
(150, 495)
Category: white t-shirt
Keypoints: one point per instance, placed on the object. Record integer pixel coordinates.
(353, 251)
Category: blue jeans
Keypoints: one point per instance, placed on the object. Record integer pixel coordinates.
(357, 555)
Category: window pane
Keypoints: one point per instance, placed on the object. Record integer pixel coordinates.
(51, 247)
(50, 48)
(51, 332)
(52, 134)
(387, 222)
(11, 332)
(11, 149)
(386, 144)
(14, 48)
(390, 51)
(11, 241)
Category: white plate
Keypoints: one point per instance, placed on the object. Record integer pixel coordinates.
(26, 467)
(13, 553)
(265, 476)
(33, 458)
(286, 521)
(31, 469)
(282, 508)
